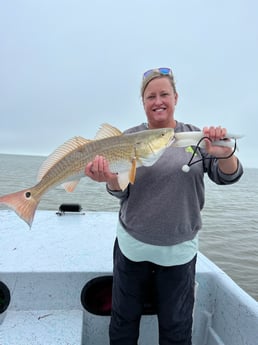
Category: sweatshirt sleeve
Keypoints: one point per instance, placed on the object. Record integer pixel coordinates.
(119, 194)
(216, 175)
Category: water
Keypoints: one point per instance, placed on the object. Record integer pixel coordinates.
(230, 219)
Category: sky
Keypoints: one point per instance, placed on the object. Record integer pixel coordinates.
(66, 67)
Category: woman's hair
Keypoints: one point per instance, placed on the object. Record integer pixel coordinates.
(157, 74)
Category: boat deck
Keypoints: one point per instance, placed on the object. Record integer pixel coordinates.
(47, 266)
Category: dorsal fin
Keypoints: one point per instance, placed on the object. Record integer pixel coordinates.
(107, 131)
(59, 153)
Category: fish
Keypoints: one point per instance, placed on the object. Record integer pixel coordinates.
(125, 152)
(66, 165)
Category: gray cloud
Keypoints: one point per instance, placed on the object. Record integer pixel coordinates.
(66, 67)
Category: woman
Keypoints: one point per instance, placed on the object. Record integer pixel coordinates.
(159, 220)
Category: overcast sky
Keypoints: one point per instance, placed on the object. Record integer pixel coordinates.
(68, 66)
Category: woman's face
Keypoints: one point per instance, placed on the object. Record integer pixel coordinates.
(159, 101)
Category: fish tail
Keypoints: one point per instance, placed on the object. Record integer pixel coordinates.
(24, 203)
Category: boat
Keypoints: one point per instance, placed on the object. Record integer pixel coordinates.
(48, 294)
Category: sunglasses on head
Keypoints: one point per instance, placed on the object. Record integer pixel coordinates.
(161, 70)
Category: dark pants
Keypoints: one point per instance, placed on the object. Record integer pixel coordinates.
(174, 293)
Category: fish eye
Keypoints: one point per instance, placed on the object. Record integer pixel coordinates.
(28, 195)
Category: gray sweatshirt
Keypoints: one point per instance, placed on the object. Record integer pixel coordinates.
(163, 206)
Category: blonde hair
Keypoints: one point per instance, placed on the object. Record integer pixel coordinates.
(156, 74)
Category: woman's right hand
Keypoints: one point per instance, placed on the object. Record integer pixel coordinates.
(98, 170)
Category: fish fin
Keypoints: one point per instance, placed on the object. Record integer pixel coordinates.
(132, 173)
(107, 131)
(59, 153)
(70, 186)
(24, 203)
(123, 179)
(127, 176)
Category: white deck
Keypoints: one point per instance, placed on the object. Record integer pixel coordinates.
(46, 267)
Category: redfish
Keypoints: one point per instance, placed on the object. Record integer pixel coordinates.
(66, 165)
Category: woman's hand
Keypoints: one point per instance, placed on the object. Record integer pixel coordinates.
(214, 134)
(98, 170)
(228, 165)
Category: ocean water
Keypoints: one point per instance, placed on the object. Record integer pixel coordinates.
(229, 235)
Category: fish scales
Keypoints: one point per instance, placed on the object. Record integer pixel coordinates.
(124, 154)
(73, 164)
(66, 165)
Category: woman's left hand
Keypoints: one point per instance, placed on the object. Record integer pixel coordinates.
(214, 134)
(229, 165)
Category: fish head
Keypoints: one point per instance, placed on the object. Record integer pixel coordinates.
(151, 144)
